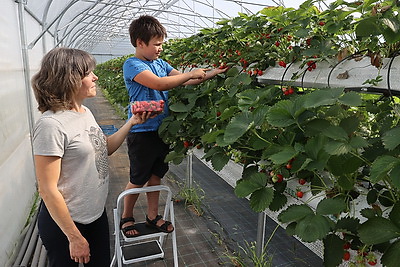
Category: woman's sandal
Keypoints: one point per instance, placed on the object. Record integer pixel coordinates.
(162, 228)
(128, 228)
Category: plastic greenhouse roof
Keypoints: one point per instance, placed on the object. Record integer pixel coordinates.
(101, 26)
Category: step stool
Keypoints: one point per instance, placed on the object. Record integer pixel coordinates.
(148, 245)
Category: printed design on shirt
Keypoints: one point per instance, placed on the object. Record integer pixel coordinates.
(99, 143)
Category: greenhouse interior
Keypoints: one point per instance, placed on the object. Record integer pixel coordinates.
(287, 153)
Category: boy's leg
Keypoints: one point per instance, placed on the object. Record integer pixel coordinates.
(141, 158)
(153, 197)
(153, 201)
(129, 204)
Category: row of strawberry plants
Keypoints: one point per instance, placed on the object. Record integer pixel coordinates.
(343, 146)
(336, 143)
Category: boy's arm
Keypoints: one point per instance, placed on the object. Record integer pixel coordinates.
(175, 78)
(209, 74)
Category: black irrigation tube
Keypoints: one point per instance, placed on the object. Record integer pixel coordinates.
(382, 91)
(388, 73)
(284, 73)
(304, 73)
(346, 58)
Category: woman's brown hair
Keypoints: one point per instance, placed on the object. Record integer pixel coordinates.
(60, 78)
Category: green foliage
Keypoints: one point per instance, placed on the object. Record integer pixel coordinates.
(111, 81)
(344, 145)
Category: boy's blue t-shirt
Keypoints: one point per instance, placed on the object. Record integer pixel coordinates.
(137, 92)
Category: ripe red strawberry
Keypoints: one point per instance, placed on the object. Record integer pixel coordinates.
(371, 259)
(321, 23)
(187, 144)
(302, 181)
(288, 166)
(277, 43)
(346, 255)
(346, 245)
(280, 178)
(291, 90)
(299, 194)
(260, 72)
(218, 113)
(282, 63)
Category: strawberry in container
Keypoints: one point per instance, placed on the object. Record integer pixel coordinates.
(153, 106)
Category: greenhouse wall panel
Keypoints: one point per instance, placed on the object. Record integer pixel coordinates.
(17, 175)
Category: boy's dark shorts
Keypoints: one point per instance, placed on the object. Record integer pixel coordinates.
(146, 152)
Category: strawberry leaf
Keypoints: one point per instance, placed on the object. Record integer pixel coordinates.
(278, 201)
(335, 133)
(219, 160)
(378, 230)
(283, 156)
(313, 227)
(351, 99)
(330, 206)
(295, 213)
(248, 186)
(391, 138)
(381, 166)
(337, 148)
(391, 257)
(261, 199)
(323, 97)
(280, 114)
(333, 250)
(237, 127)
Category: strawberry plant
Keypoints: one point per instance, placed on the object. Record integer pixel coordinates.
(345, 144)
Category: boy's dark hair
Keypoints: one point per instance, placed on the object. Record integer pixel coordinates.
(144, 28)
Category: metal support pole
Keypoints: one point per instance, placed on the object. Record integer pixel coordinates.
(262, 219)
(25, 62)
(189, 169)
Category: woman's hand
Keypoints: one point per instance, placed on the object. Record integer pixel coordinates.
(140, 118)
(79, 250)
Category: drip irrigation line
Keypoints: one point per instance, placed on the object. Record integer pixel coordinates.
(284, 73)
(305, 71)
(346, 58)
(388, 74)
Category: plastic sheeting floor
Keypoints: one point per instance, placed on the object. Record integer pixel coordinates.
(227, 224)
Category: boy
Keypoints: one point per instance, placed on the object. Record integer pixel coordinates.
(147, 77)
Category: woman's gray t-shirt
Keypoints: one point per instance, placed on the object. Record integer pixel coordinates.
(80, 143)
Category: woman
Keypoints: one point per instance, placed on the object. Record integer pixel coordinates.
(71, 160)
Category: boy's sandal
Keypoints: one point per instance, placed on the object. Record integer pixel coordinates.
(162, 228)
(128, 228)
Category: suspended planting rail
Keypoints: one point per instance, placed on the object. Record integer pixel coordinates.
(354, 73)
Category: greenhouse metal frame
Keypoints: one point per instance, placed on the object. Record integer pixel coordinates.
(30, 28)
